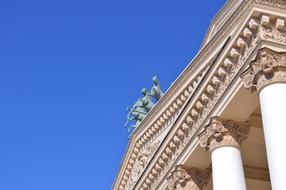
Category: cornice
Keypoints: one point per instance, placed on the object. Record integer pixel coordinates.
(201, 107)
(219, 17)
(281, 4)
(214, 88)
(160, 124)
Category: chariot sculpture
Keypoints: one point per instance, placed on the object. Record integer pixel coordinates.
(143, 105)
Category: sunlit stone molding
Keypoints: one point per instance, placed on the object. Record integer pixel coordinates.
(141, 163)
(260, 29)
(223, 138)
(267, 76)
(221, 133)
(268, 68)
(183, 178)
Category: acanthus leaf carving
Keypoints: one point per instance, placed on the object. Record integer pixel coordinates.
(269, 67)
(188, 178)
(255, 39)
(233, 71)
(221, 132)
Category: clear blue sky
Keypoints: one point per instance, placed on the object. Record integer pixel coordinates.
(69, 69)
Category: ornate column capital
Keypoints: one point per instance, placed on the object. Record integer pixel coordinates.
(187, 178)
(223, 133)
(268, 68)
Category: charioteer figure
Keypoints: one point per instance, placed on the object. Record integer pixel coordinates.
(156, 91)
(143, 105)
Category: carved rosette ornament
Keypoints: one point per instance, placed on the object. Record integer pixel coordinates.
(185, 178)
(223, 133)
(268, 68)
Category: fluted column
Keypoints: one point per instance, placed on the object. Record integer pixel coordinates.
(267, 76)
(183, 178)
(223, 138)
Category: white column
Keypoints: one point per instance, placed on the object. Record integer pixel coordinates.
(273, 108)
(267, 76)
(223, 139)
(227, 169)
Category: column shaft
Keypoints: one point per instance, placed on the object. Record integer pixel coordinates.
(223, 139)
(227, 169)
(273, 108)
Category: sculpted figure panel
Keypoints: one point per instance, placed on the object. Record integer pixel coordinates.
(143, 105)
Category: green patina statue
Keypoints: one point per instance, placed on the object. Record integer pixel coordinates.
(156, 91)
(143, 105)
(137, 113)
(140, 109)
(147, 100)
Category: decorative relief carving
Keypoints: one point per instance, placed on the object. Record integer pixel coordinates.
(267, 34)
(223, 133)
(205, 53)
(179, 176)
(200, 177)
(185, 178)
(273, 34)
(269, 67)
(254, 41)
(141, 163)
(272, 3)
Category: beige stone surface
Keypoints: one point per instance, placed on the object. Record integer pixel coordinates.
(168, 136)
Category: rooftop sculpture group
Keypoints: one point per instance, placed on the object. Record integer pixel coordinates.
(143, 105)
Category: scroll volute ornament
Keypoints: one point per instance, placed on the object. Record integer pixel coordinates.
(187, 178)
(223, 133)
(268, 68)
(179, 176)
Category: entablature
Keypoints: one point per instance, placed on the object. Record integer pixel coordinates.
(189, 115)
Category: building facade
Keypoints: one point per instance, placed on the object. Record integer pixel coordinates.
(222, 123)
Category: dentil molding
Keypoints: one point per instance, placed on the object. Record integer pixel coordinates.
(252, 34)
(244, 45)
